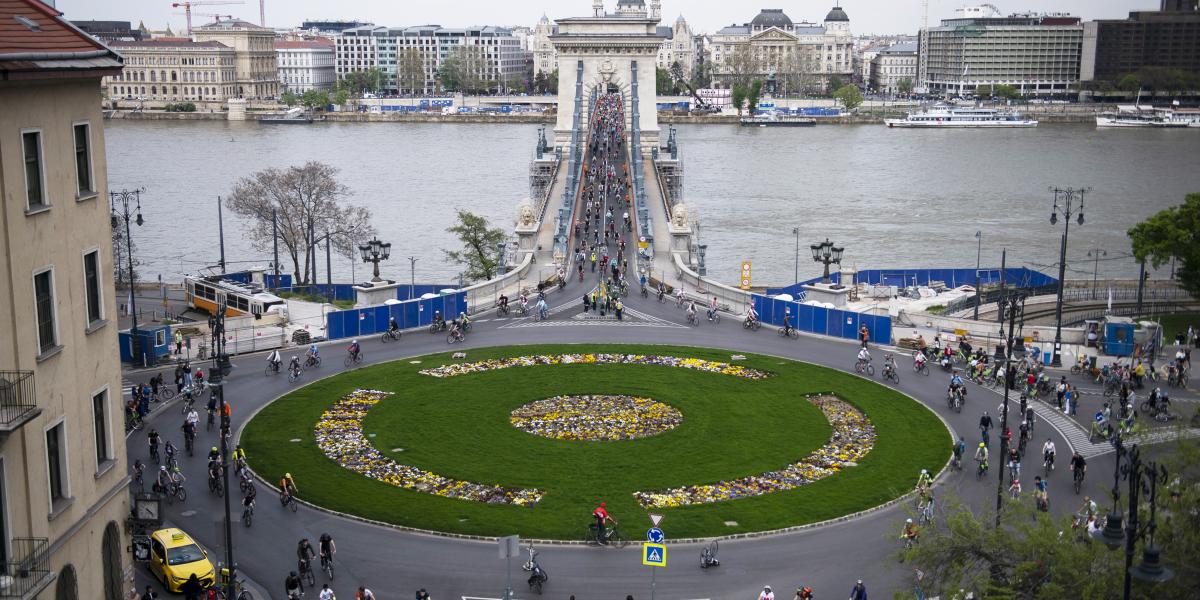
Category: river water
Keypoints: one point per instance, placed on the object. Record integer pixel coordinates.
(890, 197)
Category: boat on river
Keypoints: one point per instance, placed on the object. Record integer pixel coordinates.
(774, 120)
(1135, 115)
(953, 118)
(295, 116)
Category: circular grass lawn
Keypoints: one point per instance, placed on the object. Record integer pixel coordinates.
(459, 427)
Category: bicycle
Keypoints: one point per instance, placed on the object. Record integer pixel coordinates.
(391, 335)
(645, 292)
(791, 332)
(239, 586)
(456, 336)
(537, 576)
(925, 513)
(288, 501)
(693, 320)
(189, 441)
(294, 374)
(921, 367)
(212, 417)
(708, 556)
(272, 369)
(216, 485)
(613, 537)
(164, 394)
(981, 470)
(353, 359)
(679, 301)
(174, 491)
(1077, 480)
(751, 324)
(501, 310)
(327, 566)
(1047, 465)
(133, 422)
(306, 572)
(864, 366)
(248, 515)
(715, 318)
(186, 405)
(312, 361)
(891, 374)
(954, 400)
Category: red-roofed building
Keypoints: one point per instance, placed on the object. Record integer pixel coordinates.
(64, 490)
(305, 64)
(174, 70)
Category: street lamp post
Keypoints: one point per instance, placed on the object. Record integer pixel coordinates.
(796, 232)
(978, 254)
(221, 368)
(1064, 202)
(828, 254)
(375, 252)
(1013, 302)
(124, 197)
(1142, 478)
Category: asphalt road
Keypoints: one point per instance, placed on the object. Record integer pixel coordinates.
(827, 558)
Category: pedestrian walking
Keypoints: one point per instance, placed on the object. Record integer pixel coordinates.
(864, 335)
(619, 307)
(587, 303)
(178, 342)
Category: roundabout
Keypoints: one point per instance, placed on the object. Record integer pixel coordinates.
(530, 438)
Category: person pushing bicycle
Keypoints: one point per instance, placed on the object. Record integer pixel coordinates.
(600, 514)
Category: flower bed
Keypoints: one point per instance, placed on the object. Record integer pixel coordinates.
(594, 418)
(340, 436)
(853, 437)
(697, 364)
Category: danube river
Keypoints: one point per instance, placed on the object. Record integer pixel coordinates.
(891, 197)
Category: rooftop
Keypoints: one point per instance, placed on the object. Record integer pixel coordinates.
(837, 14)
(771, 17)
(167, 43)
(900, 48)
(35, 39)
(317, 44)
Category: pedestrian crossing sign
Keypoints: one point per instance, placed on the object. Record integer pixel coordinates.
(654, 555)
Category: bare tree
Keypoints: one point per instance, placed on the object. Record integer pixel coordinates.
(796, 70)
(741, 65)
(309, 202)
(410, 71)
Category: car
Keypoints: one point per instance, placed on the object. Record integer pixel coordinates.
(175, 556)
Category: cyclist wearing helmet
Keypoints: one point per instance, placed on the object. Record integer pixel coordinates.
(287, 485)
(924, 479)
(353, 350)
(294, 366)
(981, 454)
(326, 548)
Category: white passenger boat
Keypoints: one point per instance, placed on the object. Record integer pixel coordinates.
(946, 117)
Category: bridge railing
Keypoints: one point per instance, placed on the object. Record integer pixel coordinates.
(565, 219)
(645, 228)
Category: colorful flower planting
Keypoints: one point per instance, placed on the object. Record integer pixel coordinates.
(853, 437)
(697, 364)
(340, 436)
(596, 418)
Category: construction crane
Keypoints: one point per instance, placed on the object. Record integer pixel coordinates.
(187, 8)
(215, 17)
(702, 105)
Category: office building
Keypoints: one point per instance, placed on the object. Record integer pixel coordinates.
(64, 484)
(109, 31)
(892, 65)
(1034, 53)
(788, 56)
(305, 64)
(1165, 39)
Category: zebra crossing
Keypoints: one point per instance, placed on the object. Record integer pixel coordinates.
(1078, 439)
(630, 318)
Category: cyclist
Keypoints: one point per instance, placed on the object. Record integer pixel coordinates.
(712, 308)
(889, 365)
(273, 360)
(864, 356)
(169, 452)
(919, 360)
(503, 303)
(1088, 509)
(248, 499)
(214, 472)
(642, 279)
(960, 447)
(691, 310)
(787, 321)
(326, 593)
(152, 440)
(1014, 463)
(924, 480)
(305, 554)
(214, 455)
(294, 366)
(601, 516)
(327, 548)
(910, 530)
(353, 350)
(766, 593)
(287, 486)
(313, 353)
(439, 322)
(239, 458)
(985, 425)
(1048, 453)
(1078, 466)
(365, 593)
(163, 479)
(464, 322)
(1040, 493)
(679, 295)
(751, 314)
(981, 455)
(956, 382)
(292, 586)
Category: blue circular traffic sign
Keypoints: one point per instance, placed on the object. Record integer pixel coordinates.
(655, 535)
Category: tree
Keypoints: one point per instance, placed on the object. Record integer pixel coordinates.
(410, 71)
(662, 81)
(752, 95)
(357, 82)
(737, 97)
(289, 98)
(463, 70)
(341, 97)
(1007, 92)
(795, 71)
(305, 198)
(740, 66)
(702, 77)
(552, 81)
(1129, 83)
(849, 96)
(905, 86)
(314, 99)
(480, 254)
(835, 83)
(1172, 233)
(985, 91)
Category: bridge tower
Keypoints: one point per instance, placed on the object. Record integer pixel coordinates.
(608, 45)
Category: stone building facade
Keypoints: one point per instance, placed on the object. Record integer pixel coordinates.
(174, 70)
(255, 63)
(786, 56)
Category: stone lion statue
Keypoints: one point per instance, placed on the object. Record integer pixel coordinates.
(679, 216)
(525, 216)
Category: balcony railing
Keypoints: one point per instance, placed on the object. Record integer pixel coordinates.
(28, 569)
(17, 402)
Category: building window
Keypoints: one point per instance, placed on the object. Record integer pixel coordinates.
(56, 463)
(100, 421)
(35, 181)
(83, 159)
(43, 296)
(91, 287)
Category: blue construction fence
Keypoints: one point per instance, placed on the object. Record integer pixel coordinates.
(340, 291)
(409, 314)
(269, 280)
(823, 321)
(1020, 277)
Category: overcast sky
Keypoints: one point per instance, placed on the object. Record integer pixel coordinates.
(866, 16)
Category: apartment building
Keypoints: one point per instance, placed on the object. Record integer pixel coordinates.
(63, 473)
(306, 64)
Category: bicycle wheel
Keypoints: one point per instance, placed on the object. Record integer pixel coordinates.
(245, 595)
(347, 362)
(712, 551)
(268, 371)
(385, 338)
(167, 393)
(450, 339)
(617, 540)
(181, 494)
(1078, 485)
(292, 376)
(870, 369)
(716, 318)
(295, 507)
(247, 517)
(310, 577)
(329, 569)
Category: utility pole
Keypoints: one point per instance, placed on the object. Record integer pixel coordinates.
(328, 267)
(275, 241)
(217, 374)
(412, 277)
(1013, 302)
(1095, 254)
(978, 254)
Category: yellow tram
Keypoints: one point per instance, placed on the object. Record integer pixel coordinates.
(206, 293)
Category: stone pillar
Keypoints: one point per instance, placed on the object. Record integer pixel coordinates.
(374, 293)
(237, 109)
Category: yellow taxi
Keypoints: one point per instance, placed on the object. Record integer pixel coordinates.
(175, 556)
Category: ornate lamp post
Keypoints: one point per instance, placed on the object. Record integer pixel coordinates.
(1064, 202)
(375, 252)
(1142, 478)
(124, 197)
(826, 253)
(1011, 304)
(796, 233)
